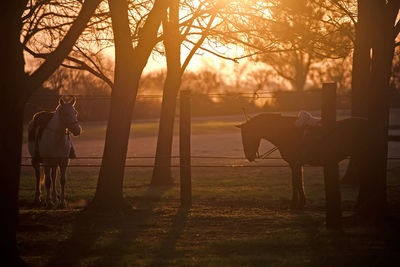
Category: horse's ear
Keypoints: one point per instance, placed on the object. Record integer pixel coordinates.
(73, 101)
(61, 101)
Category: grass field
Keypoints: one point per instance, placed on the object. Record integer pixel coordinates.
(240, 215)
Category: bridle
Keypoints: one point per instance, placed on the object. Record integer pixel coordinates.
(65, 131)
(266, 154)
(68, 125)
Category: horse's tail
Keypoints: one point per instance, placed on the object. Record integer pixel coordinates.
(31, 132)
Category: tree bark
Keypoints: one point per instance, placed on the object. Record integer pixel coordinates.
(372, 201)
(162, 170)
(129, 64)
(361, 61)
(162, 167)
(12, 85)
(360, 77)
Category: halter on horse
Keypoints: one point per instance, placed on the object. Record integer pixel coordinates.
(303, 145)
(50, 144)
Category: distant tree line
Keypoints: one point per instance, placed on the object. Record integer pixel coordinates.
(214, 92)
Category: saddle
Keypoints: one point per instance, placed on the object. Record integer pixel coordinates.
(39, 123)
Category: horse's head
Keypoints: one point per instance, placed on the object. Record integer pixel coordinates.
(250, 139)
(256, 128)
(69, 114)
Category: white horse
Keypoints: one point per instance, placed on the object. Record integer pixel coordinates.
(50, 144)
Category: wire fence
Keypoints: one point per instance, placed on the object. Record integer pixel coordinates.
(251, 95)
(254, 95)
(194, 165)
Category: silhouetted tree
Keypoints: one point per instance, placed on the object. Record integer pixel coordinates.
(383, 29)
(129, 64)
(304, 36)
(16, 86)
(195, 31)
(172, 42)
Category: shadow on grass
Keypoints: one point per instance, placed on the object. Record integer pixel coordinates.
(307, 242)
(92, 230)
(290, 244)
(168, 246)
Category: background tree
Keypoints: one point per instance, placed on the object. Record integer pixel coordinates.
(173, 39)
(304, 35)
(208, 22)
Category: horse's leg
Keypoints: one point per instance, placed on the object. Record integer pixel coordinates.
(63, 168)
(295, 187)
(53, 184)
(302, 195)
(36, 166)
(47, 183)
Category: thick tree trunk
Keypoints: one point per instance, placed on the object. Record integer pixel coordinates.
(108, 195)
(162, 174)
(109, 188)
(129, 64)
(10, 164)
(12, 85)
(371, 207)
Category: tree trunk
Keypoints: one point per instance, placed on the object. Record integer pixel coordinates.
(108, 195)
(162, 174)
(10, 165)
(361, 61)
(12, 86)
(109, 187)
(360, 77)
(162, 170)
(129, 64)
(372, 201)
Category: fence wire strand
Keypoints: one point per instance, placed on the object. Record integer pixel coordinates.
(194, 166)
(253, 95)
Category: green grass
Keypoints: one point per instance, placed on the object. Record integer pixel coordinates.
(240, 217)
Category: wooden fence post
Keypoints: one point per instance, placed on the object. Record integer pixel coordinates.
(184, 149)
(331, 170)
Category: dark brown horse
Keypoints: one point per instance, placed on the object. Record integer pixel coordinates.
(303, 145)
